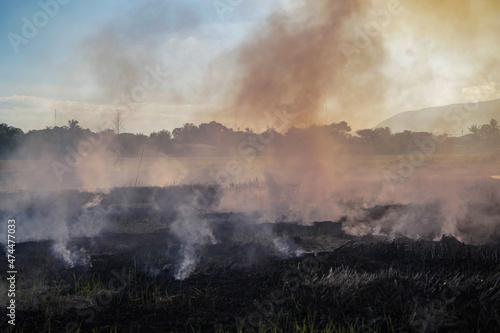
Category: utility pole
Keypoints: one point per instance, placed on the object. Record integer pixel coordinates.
(138, 170)
(55, 118)
(236, 119)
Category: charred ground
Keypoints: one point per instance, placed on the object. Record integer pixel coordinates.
(256, 277)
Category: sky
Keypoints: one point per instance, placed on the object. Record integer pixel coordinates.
(85, 57)
(51, 71)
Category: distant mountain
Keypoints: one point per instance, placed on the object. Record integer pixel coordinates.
(450, 119)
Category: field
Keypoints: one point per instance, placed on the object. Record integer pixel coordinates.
(340, 284)
(177, 258)
(110, 172)
(283, 277)
(250, 166)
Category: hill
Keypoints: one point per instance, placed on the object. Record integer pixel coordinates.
(452, 119)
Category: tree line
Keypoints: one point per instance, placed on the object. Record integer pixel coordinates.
(212, 139)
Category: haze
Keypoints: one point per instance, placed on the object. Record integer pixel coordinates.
(361, 61)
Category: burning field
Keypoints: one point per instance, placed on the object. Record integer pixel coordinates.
(216, 166)
(175, 259)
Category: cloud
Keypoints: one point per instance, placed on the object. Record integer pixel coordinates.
(31, 112)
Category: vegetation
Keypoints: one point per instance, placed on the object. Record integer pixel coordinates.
(214, 139)
(361, 286)
(252, 279)
(486, 131)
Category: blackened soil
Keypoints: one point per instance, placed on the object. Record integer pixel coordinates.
(127, 284)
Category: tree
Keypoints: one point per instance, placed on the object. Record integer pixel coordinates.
(73, 125)
(130, 145)
(163, 135)
(118, 122)
(485, 131)
(339, 130)
(185, 134)
(494, 123)
(213, 133)
(378, 138)
(494, 128)
(365, 134)
(9, 130)
(340, 127)
(162, 140)
(10, 138)
(474, 129)
(375, 136)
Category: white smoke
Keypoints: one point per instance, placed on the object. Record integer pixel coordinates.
(193, 233)
(71, 257)
(287, 247)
